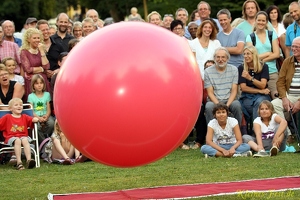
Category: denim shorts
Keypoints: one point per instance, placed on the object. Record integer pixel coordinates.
(11, 140)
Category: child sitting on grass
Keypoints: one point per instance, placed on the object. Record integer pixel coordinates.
(60, 150)
(269, 129)
(15, 132)
(224, 138)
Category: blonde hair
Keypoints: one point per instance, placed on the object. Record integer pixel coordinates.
(34, 80)
(153, 13)
(27, 35)
(244, 7)
(57, 129)
(3, 67)
(14, 100)
(3, 61)
(257, 64)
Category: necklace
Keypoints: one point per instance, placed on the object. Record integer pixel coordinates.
(204, 44)
(33, 51)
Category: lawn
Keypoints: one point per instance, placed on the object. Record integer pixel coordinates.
(180, 167)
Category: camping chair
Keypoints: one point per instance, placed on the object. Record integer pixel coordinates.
(28, 110)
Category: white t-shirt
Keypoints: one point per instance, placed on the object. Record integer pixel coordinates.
(268, 132)
(226, 135)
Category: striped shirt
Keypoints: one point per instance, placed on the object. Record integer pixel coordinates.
(221, 81)
(295, 84)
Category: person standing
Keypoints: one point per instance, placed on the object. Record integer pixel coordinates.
(231, 38)
(61, 36)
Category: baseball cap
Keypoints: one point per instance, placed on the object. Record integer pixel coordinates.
(30, 20)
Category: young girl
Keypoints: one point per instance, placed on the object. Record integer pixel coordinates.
(270, 131)
(40, 101)
(10, 64)
(224, 136)
(60, 149)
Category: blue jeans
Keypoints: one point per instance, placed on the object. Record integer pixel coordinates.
(206, 149)
(250, 105)
(235, 108)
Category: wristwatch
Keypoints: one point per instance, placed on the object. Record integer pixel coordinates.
(252, 79)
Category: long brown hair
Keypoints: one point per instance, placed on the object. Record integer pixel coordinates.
(214, 32)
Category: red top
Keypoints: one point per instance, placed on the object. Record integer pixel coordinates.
(15, 127)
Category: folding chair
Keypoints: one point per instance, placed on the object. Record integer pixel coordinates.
(28, 110)
(296, 130)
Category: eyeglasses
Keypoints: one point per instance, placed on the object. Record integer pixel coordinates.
(295, 47)
(2, 75)
(177, 29)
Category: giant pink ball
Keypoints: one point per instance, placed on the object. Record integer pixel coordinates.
(128, 94)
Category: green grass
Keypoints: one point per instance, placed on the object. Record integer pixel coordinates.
(180, 167)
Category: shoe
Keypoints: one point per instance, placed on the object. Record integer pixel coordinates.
(13, 160)
(81, 159)
(20, 166)
(274, 151)
(30, 164)
(206, 156)
(196, 146)
(247, 154)
(184, 146)
(261, 153)
(236, 155)
(67, 161)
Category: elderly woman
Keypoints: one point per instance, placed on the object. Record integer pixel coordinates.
(33, 58)
(205, 44)
(88, 26)
(253, 78)
(77, 30)
(154, 18)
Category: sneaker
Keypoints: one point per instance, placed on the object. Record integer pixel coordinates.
(261, 153)
(236, 155)
(247, 154)
(13, 160)
(206, 156)
(274, 151)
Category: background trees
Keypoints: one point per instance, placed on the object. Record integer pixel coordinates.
(19, 10)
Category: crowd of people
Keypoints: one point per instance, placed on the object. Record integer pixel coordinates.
(237, 60)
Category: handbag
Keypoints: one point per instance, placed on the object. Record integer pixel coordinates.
(279, 62)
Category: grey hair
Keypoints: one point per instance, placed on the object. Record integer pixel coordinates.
(226, 51)
(180, 9)
(224, 12)
(296, 39)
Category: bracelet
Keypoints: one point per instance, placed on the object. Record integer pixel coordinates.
(42, 69)
(43, 55)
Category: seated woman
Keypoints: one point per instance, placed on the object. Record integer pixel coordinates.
(270, 131)
(60, 149)
(224, 137)
(253, 78)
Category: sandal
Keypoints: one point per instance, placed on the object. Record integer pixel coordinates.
(67, 161)
(20, 166)
(30, 164)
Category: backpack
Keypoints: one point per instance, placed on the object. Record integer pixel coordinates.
(253, 38)
(279, 60)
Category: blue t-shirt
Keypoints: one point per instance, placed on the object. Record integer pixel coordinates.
(39, 104)
(292, 32)
(245, 27)
(231, 40)
(265, 47)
